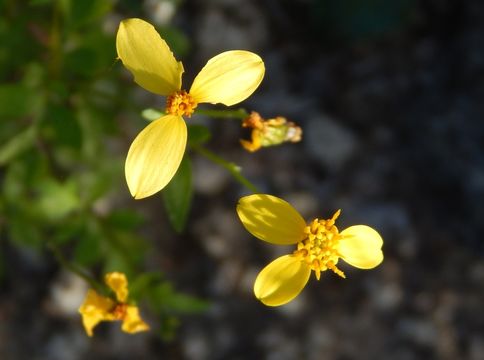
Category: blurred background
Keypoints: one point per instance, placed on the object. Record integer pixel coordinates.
(390, 98)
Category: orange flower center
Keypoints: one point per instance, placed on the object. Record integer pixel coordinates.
(180, 103)
(119, 311)
(320, 248)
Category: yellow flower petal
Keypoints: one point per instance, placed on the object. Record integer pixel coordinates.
(360, 246)
(282, 280)
(147, 56)
(119, 284)
(155, 155)
(271, 219)
(132, 322)
(90, 321)
(228, 78)
(96, 303)
(94, 310)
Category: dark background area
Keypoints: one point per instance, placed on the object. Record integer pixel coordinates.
(390, 98)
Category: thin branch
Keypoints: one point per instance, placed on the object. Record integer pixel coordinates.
(75, 269)
(229, 166)
(238, 113)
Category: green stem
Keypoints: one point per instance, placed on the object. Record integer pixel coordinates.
(238, 114)
(55, 61)
(74, 269)
(229, 166)
(151, 114)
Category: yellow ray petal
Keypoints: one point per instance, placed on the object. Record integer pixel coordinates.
(154, 156)
(271, 219)
(95, 309)
(282, 280)
(147, 56)
(90, 321)
(96, 303)
(360, 246)
(119, 284)
(132, 322)
(228, 78)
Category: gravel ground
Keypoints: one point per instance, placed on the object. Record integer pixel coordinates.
(394, 136)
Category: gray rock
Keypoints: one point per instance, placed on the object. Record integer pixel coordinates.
(420, 331)
(161, 11)
(66, 294)
(66, 346)
(209, 178)
(329, 143)
(243, 29)
(196, 345)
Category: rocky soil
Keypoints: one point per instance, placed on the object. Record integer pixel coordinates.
(393, 126)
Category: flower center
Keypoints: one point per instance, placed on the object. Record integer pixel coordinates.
(320, 248)
(119, 311)
(180, 103)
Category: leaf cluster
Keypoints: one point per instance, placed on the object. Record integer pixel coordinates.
(62, 145)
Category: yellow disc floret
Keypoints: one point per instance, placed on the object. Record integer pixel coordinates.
(320, 248)
(180, 103)
(119, 311)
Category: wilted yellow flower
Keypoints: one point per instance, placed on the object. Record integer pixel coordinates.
(97, 308)
(319, 246)
(156, 153)
(269, 132)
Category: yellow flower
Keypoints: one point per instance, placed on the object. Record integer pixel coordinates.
(156, 153)
(319, 246)
(269, 132)
(97, 308)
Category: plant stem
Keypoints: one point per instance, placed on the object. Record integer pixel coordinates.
(151, 114)
(238, 114)
(229, 166)
(55, 41)
(74, 269)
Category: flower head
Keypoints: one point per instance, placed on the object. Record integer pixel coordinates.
(97, 308)
(319, 246)
(269, 132)
(228, 78)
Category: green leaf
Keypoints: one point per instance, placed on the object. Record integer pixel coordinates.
(87, 251)
(20, 178)
(23, 235)
(198, 134)
(115, 261)
(143, 283)
(186, 304)
(125, 219)
(81, 61)
(165, 296)
(177, 195)
(16, 101)
(62, 127)
(177, 41)
(101, 178)
(17, 145)
(151, 114)
(124, 251)
(86, 11)
(70, 229)
(57, 200)
(168, 327)
(40, 2)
